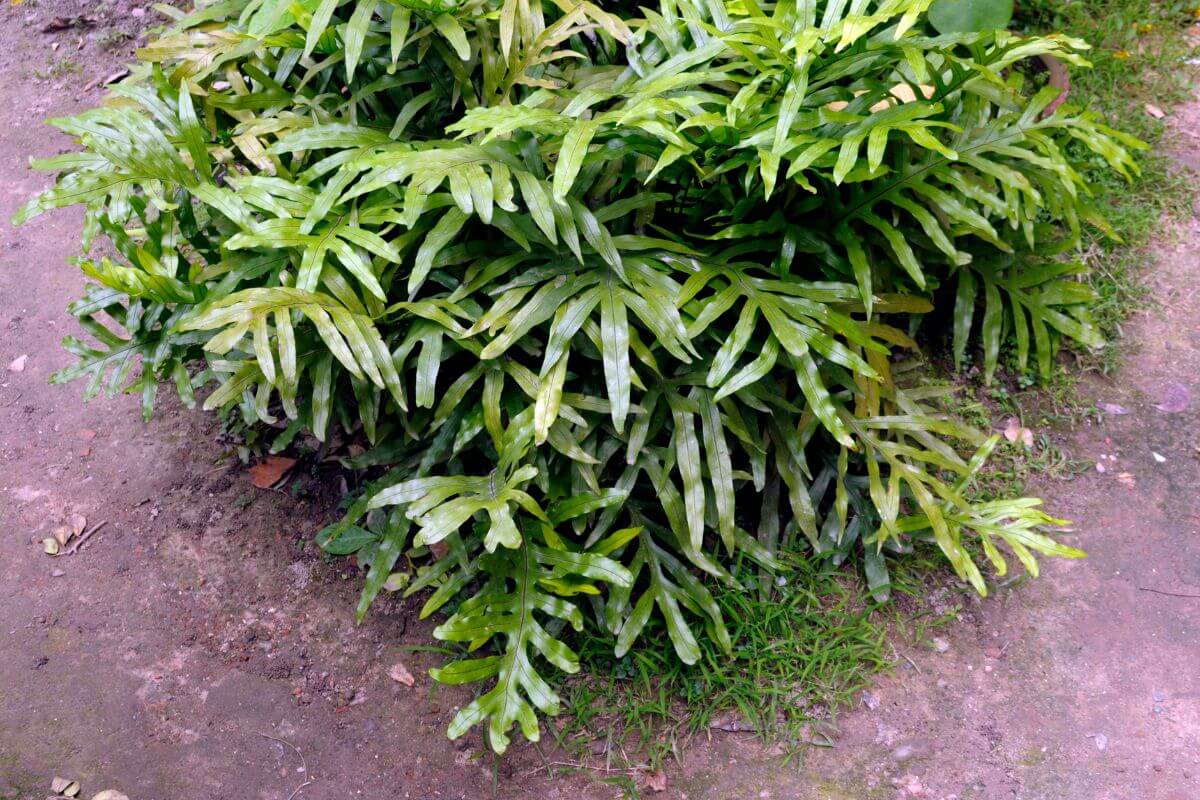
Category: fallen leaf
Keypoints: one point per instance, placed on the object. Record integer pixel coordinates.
(733, 723)
(62, 534)
(439, 549)
(66, 23)
(1126, 479)
(110, 794)
(72, 789)
(77, 522)
(18, 363)
(267, 473)
(57, 785)
(400, 674)
(1176, 398)
(656, 781)
(397, 581)
(1015, 432)
(1112, 408)
(50, 545)
(1155, 111)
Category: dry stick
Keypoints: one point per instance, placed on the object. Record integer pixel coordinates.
(580, 765)
(79, 542)
(1168, 594)
(303, 763)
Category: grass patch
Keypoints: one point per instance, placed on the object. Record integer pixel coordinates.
(805, 645)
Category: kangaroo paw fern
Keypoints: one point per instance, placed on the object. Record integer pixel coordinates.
(617, 295)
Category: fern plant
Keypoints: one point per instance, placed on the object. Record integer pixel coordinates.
(617, 295)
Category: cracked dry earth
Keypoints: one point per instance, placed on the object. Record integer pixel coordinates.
(195, 639)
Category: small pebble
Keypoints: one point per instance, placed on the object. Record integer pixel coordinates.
(57, 573)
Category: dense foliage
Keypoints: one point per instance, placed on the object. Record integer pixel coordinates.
(618, 295)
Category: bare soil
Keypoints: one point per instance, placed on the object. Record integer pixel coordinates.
(198, 637)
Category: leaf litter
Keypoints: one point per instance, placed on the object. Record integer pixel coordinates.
(270, 471)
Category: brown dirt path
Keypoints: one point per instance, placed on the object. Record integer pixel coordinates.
(187, 629)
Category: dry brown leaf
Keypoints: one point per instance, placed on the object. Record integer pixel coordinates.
(77, 522)
(656, 781)
(400, 674)
(267, 473)
(18, 364)
(1155, 111)
(1014, 432)
(62, 534)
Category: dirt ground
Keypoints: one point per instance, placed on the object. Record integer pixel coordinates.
(196, 650)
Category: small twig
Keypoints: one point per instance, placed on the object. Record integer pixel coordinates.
(79, 542)
(303, 763)
(1168, 594)
(581, 765)
(914, 664)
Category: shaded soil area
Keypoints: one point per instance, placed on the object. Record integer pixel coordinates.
(198, 637)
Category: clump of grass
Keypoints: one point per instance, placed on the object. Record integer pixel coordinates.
(61, 67)
(805, 645)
